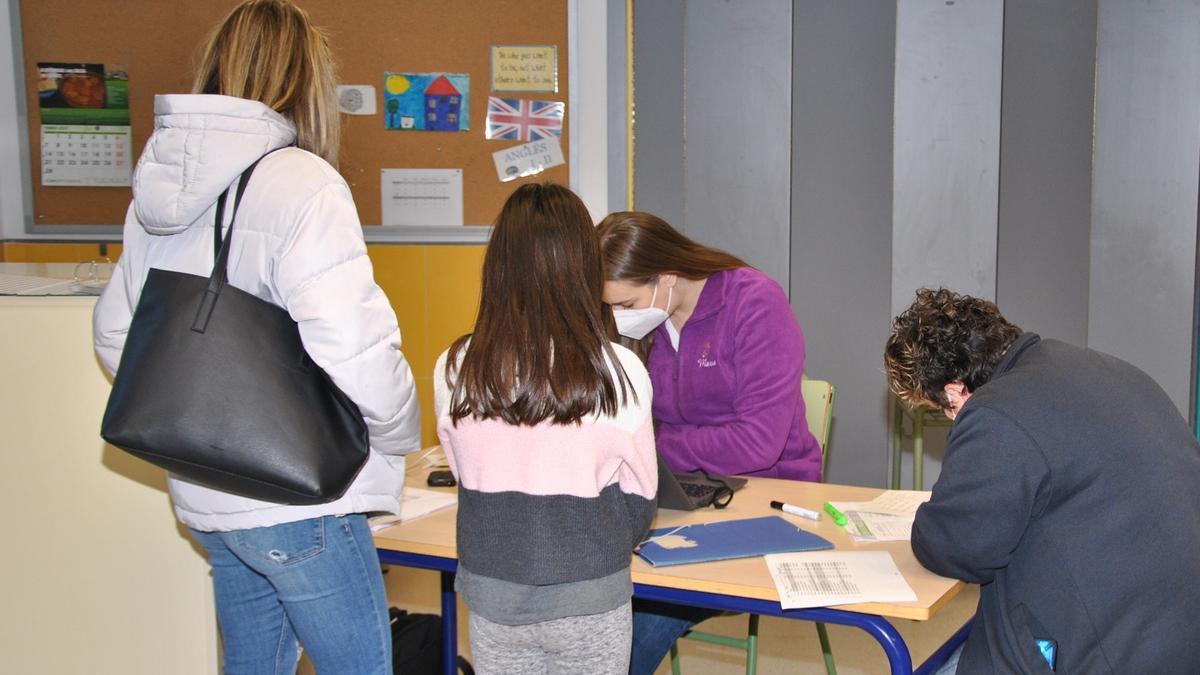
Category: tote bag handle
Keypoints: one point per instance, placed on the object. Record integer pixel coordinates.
(218, 277)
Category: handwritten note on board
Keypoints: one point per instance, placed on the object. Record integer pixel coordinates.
(528, 159)
(524, 68)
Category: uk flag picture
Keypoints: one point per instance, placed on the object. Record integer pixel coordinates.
(522, 119)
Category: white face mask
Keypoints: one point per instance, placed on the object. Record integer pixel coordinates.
(637, 323)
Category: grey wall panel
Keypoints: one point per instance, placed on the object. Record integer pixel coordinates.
(1147, 164)
(658, 108)
(1046, 166)
(737, 176)
(946, 158)
(843, 65)
(947, 147)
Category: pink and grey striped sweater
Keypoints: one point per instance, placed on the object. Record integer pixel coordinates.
(549, 514)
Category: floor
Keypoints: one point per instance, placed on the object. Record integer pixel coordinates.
(785, 646)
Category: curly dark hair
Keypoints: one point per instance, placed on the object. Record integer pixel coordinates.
(944, 337)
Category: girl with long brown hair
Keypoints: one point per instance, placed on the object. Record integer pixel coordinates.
(283, 575)
(725, 355)
(547, 427)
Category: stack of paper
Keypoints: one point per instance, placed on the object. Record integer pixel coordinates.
(888, 517)
(414, 503)
(830, 578)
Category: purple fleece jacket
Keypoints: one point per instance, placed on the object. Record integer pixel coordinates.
(729, 401)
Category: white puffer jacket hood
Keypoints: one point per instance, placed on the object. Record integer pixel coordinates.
(201, 144)
(297, 244)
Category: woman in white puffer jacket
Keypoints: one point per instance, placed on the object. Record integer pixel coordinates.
(281, 574)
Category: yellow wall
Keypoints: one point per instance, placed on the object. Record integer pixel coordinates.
(434, 290)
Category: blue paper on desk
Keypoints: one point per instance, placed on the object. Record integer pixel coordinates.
(727, 539)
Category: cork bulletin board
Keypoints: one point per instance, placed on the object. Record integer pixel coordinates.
(158, 44)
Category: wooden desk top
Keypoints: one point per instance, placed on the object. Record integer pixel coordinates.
(433, 535)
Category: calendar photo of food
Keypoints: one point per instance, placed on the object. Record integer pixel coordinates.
(83, 93)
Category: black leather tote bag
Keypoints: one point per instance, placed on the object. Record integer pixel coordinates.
(214, 385)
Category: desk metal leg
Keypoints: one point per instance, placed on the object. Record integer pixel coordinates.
(449, 625)
(445, 566)
(876, 626)
(899, 658)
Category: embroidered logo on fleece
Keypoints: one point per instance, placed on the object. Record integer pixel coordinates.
(704, 361)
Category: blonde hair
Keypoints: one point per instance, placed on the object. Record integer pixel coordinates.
(269, 51)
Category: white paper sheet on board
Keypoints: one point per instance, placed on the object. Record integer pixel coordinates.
(422, 196)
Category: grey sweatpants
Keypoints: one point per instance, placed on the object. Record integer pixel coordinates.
(597, 644)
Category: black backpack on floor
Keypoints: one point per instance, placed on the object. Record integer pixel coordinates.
(417, 644)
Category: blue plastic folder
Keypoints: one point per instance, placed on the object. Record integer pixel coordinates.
(727, 539)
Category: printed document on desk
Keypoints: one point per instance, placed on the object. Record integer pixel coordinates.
(888, 517)
(830, 578)
(898, 502)
(414, 503)
(868, 526)
(727, 539)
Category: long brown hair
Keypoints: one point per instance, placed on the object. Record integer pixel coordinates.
(539, 349)
(638, 247)
(268, 51)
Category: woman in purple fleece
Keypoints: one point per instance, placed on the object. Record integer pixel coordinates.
(725, 355)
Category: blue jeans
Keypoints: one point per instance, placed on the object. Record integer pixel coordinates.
(656, 626)
(316, 582)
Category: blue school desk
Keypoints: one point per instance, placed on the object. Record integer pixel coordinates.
(735, 585)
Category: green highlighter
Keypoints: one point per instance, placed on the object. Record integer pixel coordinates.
(838, 516)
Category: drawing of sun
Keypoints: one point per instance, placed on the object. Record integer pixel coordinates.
(397, 84)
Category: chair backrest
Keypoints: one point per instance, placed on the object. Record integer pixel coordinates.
(818, 411)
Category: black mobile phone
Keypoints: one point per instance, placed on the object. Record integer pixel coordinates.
(441, 478)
